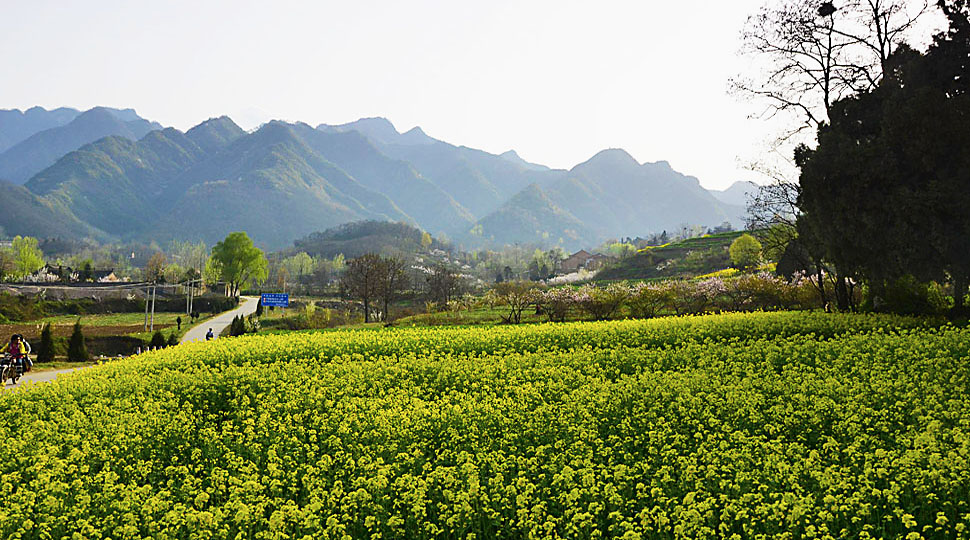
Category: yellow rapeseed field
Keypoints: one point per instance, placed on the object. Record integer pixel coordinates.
(770, 425)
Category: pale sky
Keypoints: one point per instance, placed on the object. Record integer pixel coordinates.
(556, 81)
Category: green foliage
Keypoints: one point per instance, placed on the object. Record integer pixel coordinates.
(237, 327)
(358, 238)
(908, 296)
(45, 349)
(745, 252)
(158, 340)
(76, 349)
(886, 188)
(28, 258)
(173, 339)
(684, 259)
(240, 262)
(696, 425)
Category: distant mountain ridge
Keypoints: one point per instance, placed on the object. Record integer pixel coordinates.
(285, 181)
(17, 125)
(41, 149)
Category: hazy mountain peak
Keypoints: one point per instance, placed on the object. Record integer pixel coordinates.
(738, 193)
(514, 157)
(612, 158)
(416, 135)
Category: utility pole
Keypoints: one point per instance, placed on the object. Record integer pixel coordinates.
(152, 329)
(146, 308)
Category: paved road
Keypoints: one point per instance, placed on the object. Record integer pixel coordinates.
(247, 305)
(41, 376)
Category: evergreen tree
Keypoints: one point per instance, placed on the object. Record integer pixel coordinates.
(76, 350)
(158, 340)
(173, 339)
(259, 307)
(45, 351)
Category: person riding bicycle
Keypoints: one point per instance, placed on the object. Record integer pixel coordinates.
(18, 349)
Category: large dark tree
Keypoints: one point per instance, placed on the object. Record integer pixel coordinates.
(392, 281)
(889, 185)
(362, 279)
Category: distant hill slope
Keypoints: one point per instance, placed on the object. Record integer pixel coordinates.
(530, 217)
(273, 185)
(606, 197)
(478, 181)
(17, 125)
(357, 238)
(636, 197)
(738, 194)
(39, 151)
(423, 201)
(26, 214)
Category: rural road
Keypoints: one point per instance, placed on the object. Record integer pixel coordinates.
(247, 305)
(41, 376)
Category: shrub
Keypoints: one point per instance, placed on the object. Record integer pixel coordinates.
(557, 303)
(908, 296)
(602, 303)
(648, 300)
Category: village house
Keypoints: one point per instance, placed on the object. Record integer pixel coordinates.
(584, 260)
(105, 276)
(53, 274)
(65, 274)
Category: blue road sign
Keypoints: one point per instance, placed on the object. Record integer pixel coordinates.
(276, 299)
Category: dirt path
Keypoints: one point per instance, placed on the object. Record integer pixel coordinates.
(247, 305)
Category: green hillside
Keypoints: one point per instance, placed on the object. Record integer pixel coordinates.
(355, 239)
(29, 215)
(530, 217)
(688, 258)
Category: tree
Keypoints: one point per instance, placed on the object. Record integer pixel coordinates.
(259, 307)
(158, 340)
(299, 266)
(87, 272)
(886, 186)
(28, 258)
(518, 296)
(362, 279)
(155, 268)
(745, 252)
(425, 240)
(45, 351)
(443, 284)
(173, 339)
(6, 263)
(240, 262)
(813, 53)
(392, 280)
(76, 349)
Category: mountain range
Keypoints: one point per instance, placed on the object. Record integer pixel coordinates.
(110, 174)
